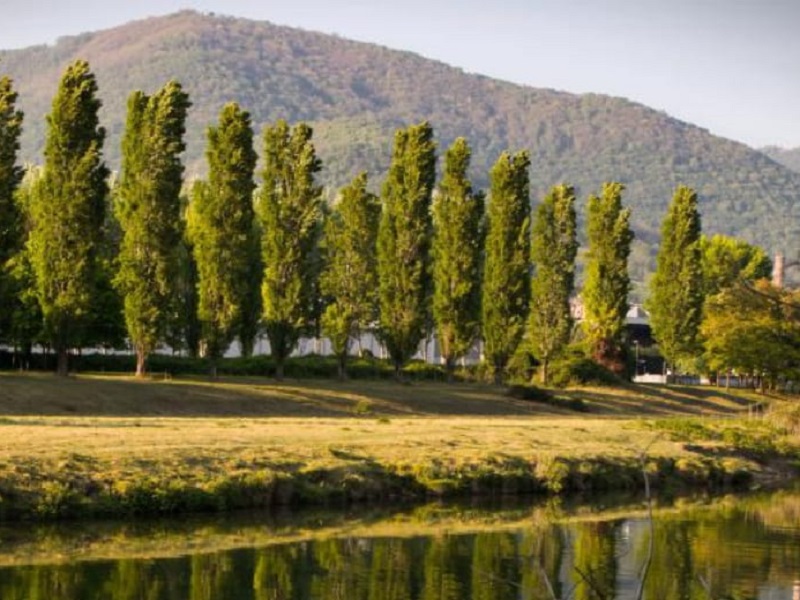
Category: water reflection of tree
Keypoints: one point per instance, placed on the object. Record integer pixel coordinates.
(698, 555)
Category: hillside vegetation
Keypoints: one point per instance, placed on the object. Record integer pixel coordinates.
(788, 157)
(356, 94)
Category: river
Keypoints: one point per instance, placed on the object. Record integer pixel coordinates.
(725, 547)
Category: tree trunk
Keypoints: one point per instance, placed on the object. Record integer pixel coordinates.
(545, 374)
(212, 369)
(450, 368)
(279, 368)
(498, 375)
(340, 366)
(62, 366)
(398, 370)
(141, 358)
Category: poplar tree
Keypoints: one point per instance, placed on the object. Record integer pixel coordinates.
(404, 243)
(553, 251)
(220, 227)
(10, 178)
(506, 272)
(289, 211)
(250, 318)
(676, 298)
(605, 293)
(148, 209)
(457, 253)
(350, 278)
(24, 311)
(67, 208)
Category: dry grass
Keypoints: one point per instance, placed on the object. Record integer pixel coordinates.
(117, 418)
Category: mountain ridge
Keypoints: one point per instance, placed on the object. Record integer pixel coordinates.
(355, 94)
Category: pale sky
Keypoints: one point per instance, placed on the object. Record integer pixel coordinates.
(731, 66)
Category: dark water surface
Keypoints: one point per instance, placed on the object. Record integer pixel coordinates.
(731, 547)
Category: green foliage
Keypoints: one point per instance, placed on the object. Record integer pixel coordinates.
(727, 261)
(350, 278)
(220, 226)
(760, 440)
(250, 318)
(553, 252)
(289, 210)
(753, 330)
(10, 178)
(506, 283)
(675, 303)
(183, 330)
(404, 242)
(148, 209)
(67, 206)
(605, 291)
(456, 250)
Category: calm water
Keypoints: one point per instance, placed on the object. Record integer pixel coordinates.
(747, 547)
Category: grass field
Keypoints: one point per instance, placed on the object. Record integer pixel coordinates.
(113, 445)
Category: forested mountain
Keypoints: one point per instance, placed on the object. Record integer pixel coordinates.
(356, 94)
(788, 157)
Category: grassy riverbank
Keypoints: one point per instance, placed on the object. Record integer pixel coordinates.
(112, 446)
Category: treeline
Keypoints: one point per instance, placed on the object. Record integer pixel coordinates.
(143, 258)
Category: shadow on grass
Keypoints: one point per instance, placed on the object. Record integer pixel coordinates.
(259, 397)
(653, 399)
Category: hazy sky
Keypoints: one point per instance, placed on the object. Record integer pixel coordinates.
(731, 66)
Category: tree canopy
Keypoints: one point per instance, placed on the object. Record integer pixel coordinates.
(553, 251)
(67, 210)
(404, 243)
(605, 291)
(457, 250)
(506, 288)
(349, 282)
(676, 290)
(148, 208)
(220, 227)
(289, 211)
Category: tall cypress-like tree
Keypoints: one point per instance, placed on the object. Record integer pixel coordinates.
(553, 251)
(404, 243)
(220, 227)
(148, 209)
(457, 253)
(506, 272)
(289, 213)
(350, 277)
(250, 318)
(676, 297)
(605, 293)
(67, 209)
(10, 178)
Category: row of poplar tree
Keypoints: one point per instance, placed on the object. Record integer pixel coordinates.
(237, 260)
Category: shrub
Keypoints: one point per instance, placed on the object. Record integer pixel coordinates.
(579, 370)
(536, 394)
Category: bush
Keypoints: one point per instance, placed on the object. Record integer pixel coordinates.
(529, 392)
(579, 370)
(536, 394)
